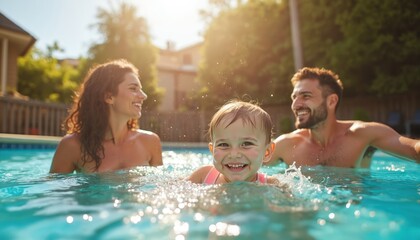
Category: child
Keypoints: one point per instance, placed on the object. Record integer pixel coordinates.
(240, 141)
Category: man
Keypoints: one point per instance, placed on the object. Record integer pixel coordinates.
(321, 139)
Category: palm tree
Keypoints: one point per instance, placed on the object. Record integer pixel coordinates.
(125, 35)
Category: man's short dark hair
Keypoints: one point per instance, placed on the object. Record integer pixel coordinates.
(328, 80)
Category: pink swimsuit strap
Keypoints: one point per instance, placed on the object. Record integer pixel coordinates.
(213, 175)
(261, 178)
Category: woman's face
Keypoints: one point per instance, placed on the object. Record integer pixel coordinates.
(128, 101)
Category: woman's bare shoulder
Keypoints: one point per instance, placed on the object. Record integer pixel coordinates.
(71, 140)
(145, 134)
(150, 140)
(66, 155)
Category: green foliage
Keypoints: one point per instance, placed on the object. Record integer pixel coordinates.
(285, 125)
(361, 114)
(42, 77)
(320, 30)
(246, 52)
(126, 36)
(372, 45)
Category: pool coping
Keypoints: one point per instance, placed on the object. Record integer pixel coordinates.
(37, 139)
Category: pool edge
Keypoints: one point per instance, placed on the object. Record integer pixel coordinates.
(28, 139)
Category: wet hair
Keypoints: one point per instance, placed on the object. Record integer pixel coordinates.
(249, 113)
(328, 80)
(89, 115)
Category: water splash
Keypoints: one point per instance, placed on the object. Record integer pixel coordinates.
(302, 194)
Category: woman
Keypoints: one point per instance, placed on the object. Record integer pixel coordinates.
(102, 127)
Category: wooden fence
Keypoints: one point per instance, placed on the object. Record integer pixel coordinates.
(38, 118)
(32, 117)
(366, 108)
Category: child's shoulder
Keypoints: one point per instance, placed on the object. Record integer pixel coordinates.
(200, 174)
(204, 170)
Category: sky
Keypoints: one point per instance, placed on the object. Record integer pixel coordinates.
(68, 21)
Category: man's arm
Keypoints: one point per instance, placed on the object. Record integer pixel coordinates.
(390, 141)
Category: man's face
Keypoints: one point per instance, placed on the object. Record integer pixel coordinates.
(309, 106)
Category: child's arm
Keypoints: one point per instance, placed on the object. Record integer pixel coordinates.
(275, 181)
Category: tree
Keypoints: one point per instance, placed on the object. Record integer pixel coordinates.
(43, 77)
(320, 30)
(380, 53)
(126, 36)
(247, 51)
(372, 45)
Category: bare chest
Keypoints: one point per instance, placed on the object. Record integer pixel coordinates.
(336, 154)
(123, 156)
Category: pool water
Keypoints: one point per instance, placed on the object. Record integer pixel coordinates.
(382, 202)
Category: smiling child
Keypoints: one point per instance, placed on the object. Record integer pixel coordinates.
(240, 141)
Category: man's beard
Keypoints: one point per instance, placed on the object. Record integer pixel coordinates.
(317, 116)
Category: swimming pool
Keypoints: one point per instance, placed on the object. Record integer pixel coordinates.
(155, 203)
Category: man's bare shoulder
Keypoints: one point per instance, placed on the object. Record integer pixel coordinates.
(359, 124)
(285, 142)
(295, 135)
(361, 127)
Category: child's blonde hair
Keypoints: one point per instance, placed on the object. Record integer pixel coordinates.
(247, 112)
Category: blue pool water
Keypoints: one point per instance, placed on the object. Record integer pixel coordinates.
(156, 203)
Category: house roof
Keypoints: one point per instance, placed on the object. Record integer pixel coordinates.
(198, 44)
(171, 60)
(8, 24)
(16, 34)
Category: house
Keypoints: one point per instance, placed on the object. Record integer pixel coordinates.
(14, 42)
(176, 69)
(177, 73)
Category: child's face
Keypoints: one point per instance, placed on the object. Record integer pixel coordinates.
(239, 150)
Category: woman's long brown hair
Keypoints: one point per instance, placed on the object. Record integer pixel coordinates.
(89, 115)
